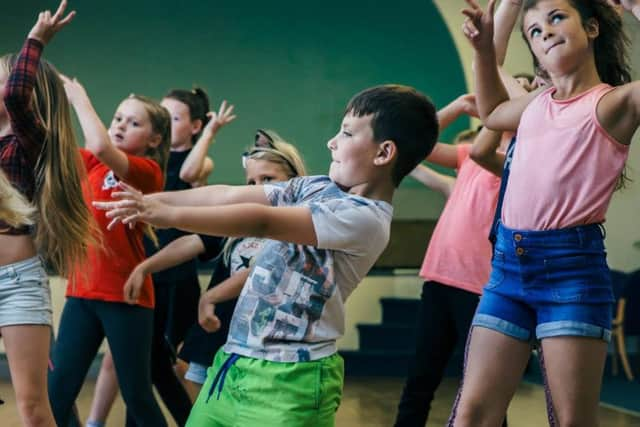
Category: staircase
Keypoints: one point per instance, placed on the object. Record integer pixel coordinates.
(386, 349)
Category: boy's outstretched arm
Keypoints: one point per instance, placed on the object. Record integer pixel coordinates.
(211, 195)
(289, 224)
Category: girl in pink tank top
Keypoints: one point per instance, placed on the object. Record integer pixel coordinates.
(549, 282)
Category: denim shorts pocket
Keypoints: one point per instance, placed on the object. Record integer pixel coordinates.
(578, 278)
(497, 270)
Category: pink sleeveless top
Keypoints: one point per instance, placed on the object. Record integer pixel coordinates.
(459, 252)
(565, 165)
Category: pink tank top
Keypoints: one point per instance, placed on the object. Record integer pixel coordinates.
(565, 165)
(459, 252)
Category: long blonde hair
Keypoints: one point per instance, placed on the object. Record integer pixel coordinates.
(64, 226)
(160, 120)
(15, 209)
(274, 150)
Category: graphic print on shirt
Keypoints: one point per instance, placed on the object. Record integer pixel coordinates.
(279, 314)
(110, 181)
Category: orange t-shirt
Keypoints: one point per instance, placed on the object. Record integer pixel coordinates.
(107, 269)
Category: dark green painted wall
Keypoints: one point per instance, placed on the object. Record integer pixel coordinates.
(288, 65)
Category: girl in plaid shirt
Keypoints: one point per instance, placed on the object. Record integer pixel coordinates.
(44, 218)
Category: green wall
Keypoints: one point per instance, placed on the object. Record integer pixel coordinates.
(288, 65)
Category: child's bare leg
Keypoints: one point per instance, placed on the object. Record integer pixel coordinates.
(575, 366)
(495, 364)
(27, 348)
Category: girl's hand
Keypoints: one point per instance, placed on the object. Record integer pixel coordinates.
(133, 285)
(478, 25)
(47, 26)
(74, 90)
(132, 207)
(467, 104)
(206, 315)
(217, 120)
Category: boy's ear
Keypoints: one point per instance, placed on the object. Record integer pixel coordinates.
(196, 126)
(387, 152)
(592, 28)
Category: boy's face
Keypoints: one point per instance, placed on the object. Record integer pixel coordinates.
(353, 151)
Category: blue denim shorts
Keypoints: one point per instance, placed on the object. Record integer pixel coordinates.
(548, 283)
(25, 296)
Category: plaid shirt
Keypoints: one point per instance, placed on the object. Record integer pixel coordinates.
(19, 152)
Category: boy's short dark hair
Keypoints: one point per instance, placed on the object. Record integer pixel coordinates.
(403, 115)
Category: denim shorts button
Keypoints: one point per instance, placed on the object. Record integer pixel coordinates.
(517, 237)
(519, 251)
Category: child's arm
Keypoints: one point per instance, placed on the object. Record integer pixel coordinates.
(289, 224)
(619, 110)
(224, 291)
(464, 104)
(96, 139)
(20, 84)
(505, 19)
(496, 110)
(211, 195)
(484, 151)
(178, 251)
(443, 154)
(197, 166)
(436, 181)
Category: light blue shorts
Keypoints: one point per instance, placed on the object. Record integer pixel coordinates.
(25, 296)
(196, 373)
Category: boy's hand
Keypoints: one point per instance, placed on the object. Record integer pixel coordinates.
(206, 314)
(74, 90)
(478, 26)
(133, 285)
(133, 207)
(47, 26)
(217, 120)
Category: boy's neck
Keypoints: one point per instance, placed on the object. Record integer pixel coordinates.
(375, 191)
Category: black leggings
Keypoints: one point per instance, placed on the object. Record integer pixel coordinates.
(128, 329)
(163, 344)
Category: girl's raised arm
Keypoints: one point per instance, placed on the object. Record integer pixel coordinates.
(96, 138)
(496, 111)
(197, 166)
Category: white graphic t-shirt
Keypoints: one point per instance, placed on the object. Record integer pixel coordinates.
(292, 307)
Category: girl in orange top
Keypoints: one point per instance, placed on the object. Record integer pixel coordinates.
(134, 149)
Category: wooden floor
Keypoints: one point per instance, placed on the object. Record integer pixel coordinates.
(370, 402)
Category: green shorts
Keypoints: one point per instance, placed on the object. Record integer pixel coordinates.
(258, 392)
